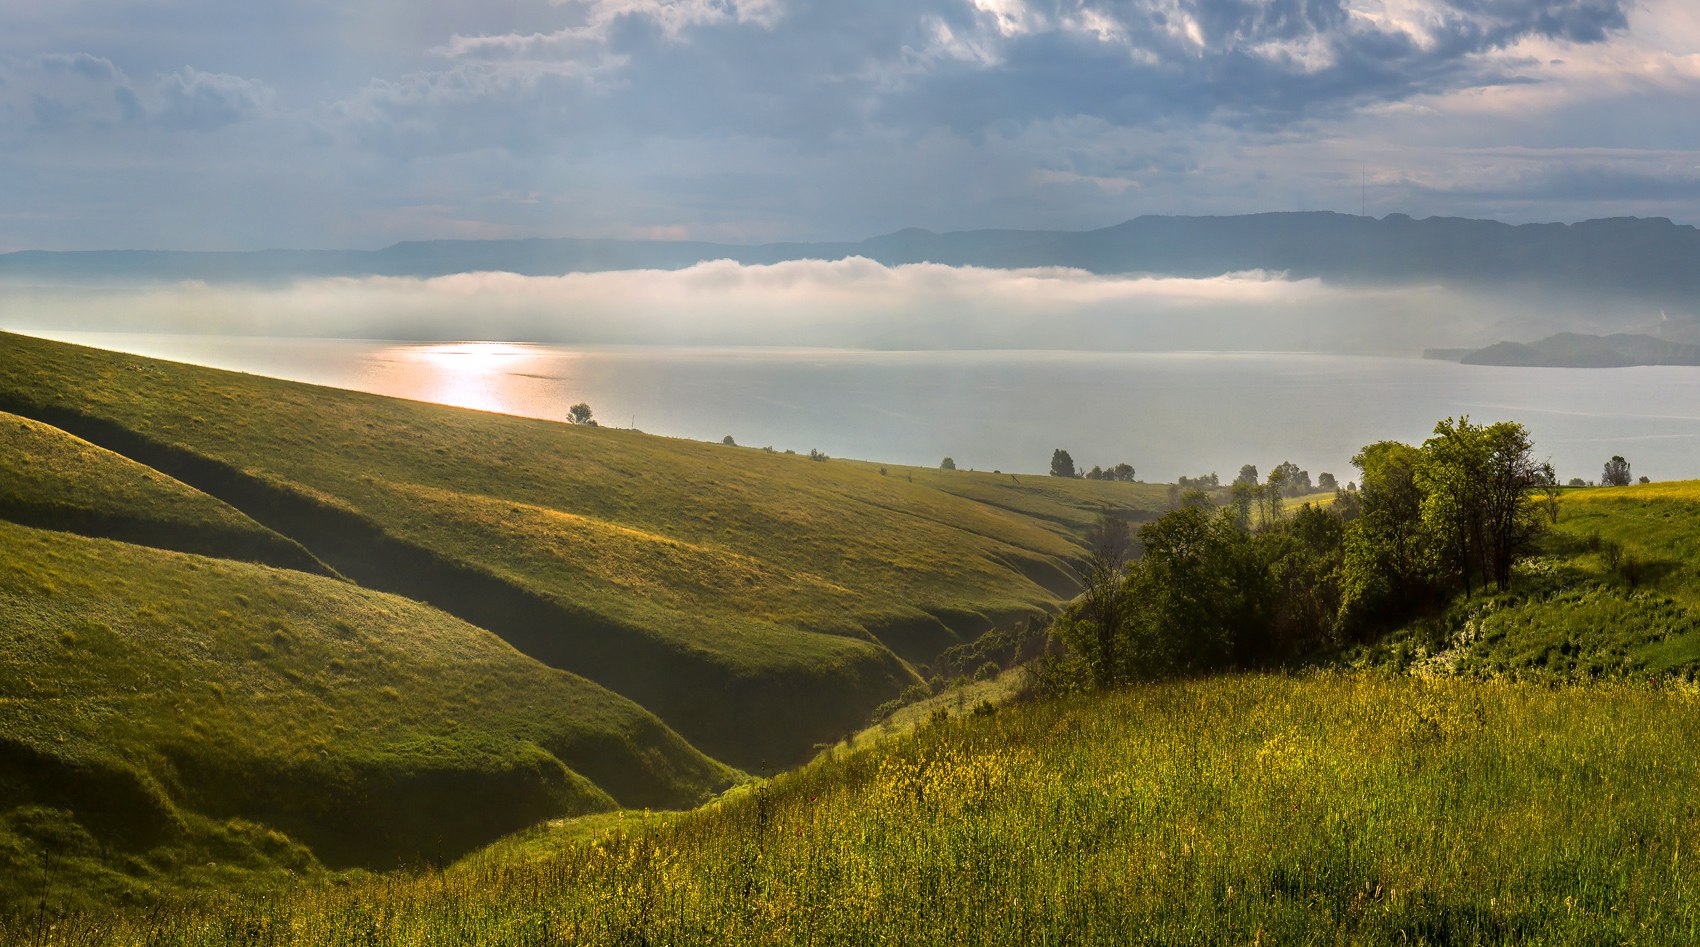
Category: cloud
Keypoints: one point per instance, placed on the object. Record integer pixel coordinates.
(322, 124)
(202, 101)
(816, 70)
(78, 92)
(853, 303)
(61, 91)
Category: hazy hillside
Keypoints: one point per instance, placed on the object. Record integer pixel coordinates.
(1652, 260)
(1575, 350)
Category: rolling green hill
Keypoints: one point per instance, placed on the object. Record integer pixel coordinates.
(608, 553)
(51, 479)
(160, 706)
(1236, 810)
(255, 629)
(262, 638)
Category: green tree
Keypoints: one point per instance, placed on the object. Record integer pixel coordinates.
(1512, 517)
(1304, 559)
(1242, 498)
(1388, 562)
(1271, 496)
(1616, 473)
(1294, 482)
(579, 414)
(1201, 591)
(1477, 485)
(947, 464)
(1062, 465)
(1095, 626)
(1110, 539)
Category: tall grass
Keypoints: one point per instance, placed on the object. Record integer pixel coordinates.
(1250, 809)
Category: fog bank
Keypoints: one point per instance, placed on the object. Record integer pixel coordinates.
(848, 303)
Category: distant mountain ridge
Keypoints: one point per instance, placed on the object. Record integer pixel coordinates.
(1575, 350)
(1649, 258)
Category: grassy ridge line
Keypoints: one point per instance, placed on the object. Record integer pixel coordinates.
(885, 561)
(157, 700)
(757, 728)
(1249, 809)
(53, 480)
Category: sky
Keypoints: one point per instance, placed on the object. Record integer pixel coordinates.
(207, 124)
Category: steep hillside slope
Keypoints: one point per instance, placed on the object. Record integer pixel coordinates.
(759, 603)
(160, 710)
(49, 478)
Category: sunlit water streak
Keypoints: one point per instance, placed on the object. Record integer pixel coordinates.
(1165, 413)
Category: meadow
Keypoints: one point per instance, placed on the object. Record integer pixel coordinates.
(192, 700)
(1257, 809)
(608, 552)
(1613, 592)
(170, 722)
(287, 665)
(49, 478)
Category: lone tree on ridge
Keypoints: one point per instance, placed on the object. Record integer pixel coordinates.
(1616, 473)
(1062, 465)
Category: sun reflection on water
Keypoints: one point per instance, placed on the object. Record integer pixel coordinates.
(463, 374)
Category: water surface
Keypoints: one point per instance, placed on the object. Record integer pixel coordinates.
(1168, 414)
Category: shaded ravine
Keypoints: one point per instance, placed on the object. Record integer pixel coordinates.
(761, 724)
(270, 548)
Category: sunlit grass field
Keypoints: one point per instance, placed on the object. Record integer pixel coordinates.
(170, 721)
(774, 574)
(1614, 592)
(49, 478)
(1246, 809)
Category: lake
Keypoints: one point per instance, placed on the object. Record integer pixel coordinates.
(1168, 413)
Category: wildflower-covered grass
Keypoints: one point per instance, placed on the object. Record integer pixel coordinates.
(1241, 809)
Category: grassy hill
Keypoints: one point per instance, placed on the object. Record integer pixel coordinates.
(1241, 809)
(161, 711)
(1615, 593)
(250, 740)
(255, 629)
(52, 479)
(608, 553)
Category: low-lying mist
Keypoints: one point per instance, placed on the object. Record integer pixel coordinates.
(848, 303)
